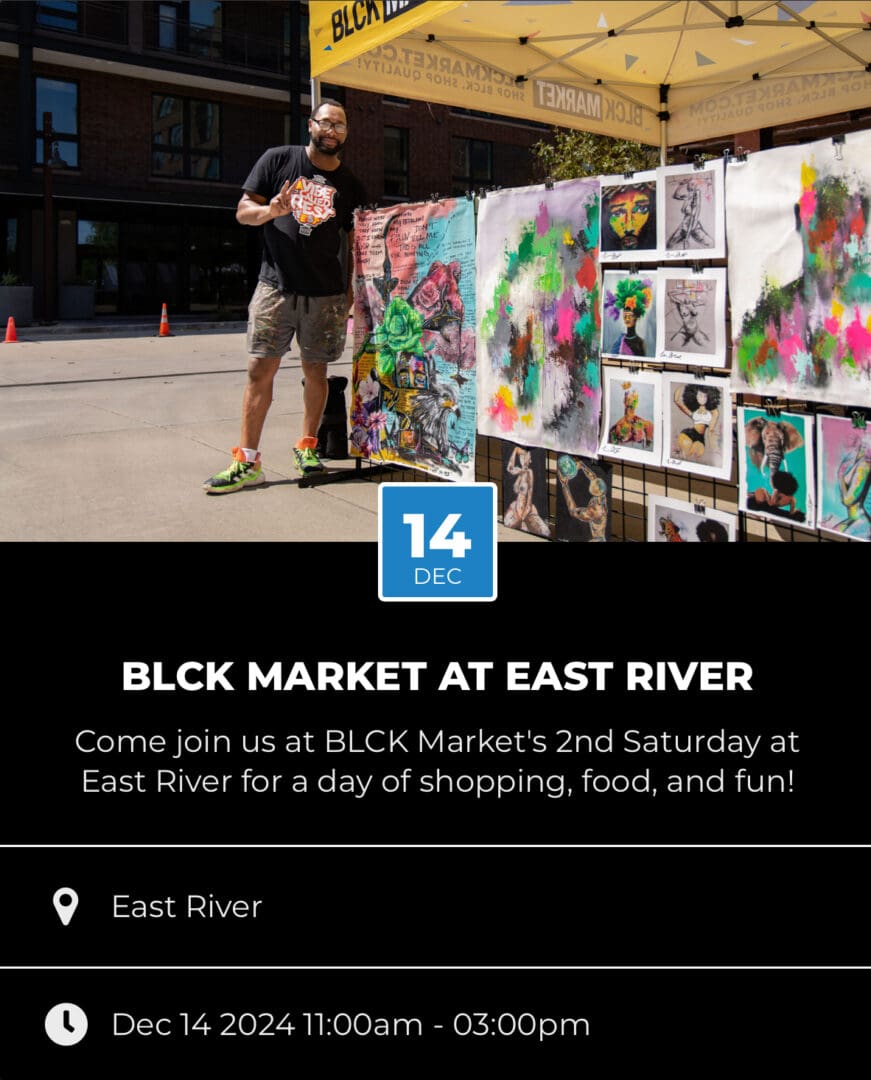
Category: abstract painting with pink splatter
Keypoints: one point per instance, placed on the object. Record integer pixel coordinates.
(539, 316)
(799, 234)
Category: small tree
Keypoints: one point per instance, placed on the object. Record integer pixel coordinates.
(570, 154)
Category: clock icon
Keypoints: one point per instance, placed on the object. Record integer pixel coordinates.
(66, 1024)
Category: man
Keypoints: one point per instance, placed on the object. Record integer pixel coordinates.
(303, 197)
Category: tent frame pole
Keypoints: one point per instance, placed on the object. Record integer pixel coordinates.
(663, 116)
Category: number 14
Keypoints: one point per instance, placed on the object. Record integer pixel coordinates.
(443, 539)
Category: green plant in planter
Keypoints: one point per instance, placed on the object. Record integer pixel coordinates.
(11, 279)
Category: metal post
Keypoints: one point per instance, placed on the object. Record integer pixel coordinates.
(49, 256)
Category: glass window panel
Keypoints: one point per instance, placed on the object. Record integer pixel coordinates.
(67, 151)
(204, 124)
(167, 34)
(61, 100)
(395, 149)
(460, 157)
(58, 14)
(205, 168)
(205, 13)
(480, 159)
(98, 234)
(167, 123)
(163, 164)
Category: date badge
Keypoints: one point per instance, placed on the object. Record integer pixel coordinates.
(437, 542)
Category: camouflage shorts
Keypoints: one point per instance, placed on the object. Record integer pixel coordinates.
(319, 322)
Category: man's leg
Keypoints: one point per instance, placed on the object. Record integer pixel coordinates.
(314, 399)
(257, 398)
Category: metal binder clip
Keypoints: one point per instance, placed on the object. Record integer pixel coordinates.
(859, 420)
(771, 407)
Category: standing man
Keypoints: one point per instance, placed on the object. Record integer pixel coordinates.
(304, 198)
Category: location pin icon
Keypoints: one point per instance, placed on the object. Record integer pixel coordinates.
(65, 902)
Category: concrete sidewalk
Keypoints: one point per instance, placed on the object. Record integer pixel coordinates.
(110, 438)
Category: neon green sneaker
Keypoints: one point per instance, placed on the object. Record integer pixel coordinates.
(240, 474)
(306, 458)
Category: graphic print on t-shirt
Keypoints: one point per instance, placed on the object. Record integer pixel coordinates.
(311, 203)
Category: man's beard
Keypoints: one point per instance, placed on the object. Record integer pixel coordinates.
(330, 151)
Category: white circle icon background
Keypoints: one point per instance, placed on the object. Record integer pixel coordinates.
(66, 1024)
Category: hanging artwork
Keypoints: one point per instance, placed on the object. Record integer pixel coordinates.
(633, 416)
(583, 502)
(629, 218)
(629, 314)
(524, 489)
(799, 232)
(539, 316)
(775, 458)
(844, 477)
(672, 521)
(691, 317)
(691, 212)
(414, 342)
(698, 426)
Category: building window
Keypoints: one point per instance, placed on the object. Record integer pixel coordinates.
(185, 138)
(61, 99)
(97, 261)
(472, 164)
(395, 161)
(58, 15)
(190, 26)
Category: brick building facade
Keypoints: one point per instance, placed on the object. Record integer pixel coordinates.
(159, 110)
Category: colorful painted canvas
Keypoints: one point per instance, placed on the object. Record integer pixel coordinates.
(414, 388)
(691, 211)
(691, 317)
(583, 502)
(629, 218)
(539, 316)
(524, 489)
(776, 470)
(629, 315)
(799, 231)
(633, 415)
(844, 477)
(673, 521)
(698, 426)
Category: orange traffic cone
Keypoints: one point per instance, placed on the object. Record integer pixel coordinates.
(11, 334)
(164, 324)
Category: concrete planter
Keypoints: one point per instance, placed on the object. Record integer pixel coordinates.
(76, 302)
(17, 301)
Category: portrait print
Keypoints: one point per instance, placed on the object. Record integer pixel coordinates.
(775, 456)
(583, 502)
(691, 317)
(672, 521)
(629, 315)
(698, 425)
(629, 218)
(633, 410)
(844, 477)
(691, 215)
(524, 489)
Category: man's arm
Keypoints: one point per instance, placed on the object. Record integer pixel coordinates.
(253, 209)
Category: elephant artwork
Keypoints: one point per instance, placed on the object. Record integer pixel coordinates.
(776, 465)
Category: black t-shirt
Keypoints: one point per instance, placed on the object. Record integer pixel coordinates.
(301, 250)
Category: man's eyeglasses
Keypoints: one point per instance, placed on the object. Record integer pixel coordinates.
(328, 125)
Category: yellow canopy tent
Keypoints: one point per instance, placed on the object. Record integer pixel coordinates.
(665, 73)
